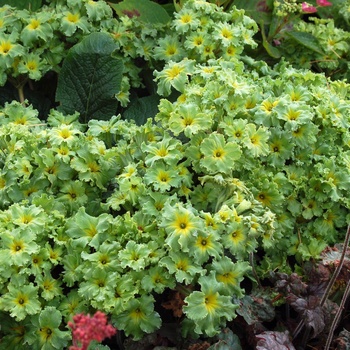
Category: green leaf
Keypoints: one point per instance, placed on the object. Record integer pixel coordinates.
(90, 78)
(142, 108)
(306, 39)
(145, 10)
(32, 5)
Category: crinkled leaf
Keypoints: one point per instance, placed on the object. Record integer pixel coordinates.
(90, 78)
(274, 341)
(256, 307)
(227, 341)
(310, 311)
(145, 10)
(289, 283)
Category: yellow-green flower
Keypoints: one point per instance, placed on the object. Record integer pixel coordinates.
(230, 275)
(71, 21)
(208, 308)
(20, 299)
(169, 49)
(235, 237)
(33, 65)
(256, 140)
(181, 224)
(219, 155)
(205, 246)
(173, 75)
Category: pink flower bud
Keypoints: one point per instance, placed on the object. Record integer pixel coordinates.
(308, 8)
(323, 3)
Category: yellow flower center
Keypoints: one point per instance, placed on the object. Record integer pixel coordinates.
(162, 152)
(211, 303)
(293, 115)
(34, 24)
(226, 33)
(94, 167)
(186, 18)
(174, 72)
(65, 133)
(73, 17)
(5, 47)
(32, 65)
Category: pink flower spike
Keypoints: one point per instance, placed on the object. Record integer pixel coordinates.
(308, 8)
(323, 3)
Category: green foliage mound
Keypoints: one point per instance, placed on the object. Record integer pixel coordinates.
(241, 161)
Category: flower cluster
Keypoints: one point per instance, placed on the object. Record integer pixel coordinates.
(305, 7)
(86, 329)
(112, 215)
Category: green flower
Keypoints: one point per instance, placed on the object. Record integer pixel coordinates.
(206, 245)
(92, 168)
(168, 149)
(98, 285)
(138, 318)
(157, 279)
(48, 335)
(17, 247)
(72, 264)
(294, 114)
(227, 34)
(234, 129)
(162, 177)
(185, 20)
(181, 224)
(268, 194)
(311, 208)
(37, 28)
(86, 229)
(153, 203)
(40, 261)
(51, 167)
(256, 140)
(134, 255)
(49, 286)
(189, 120)
(195, 41)
(219, 155)
(173, 75)
(230, 275)
(33, 65)
(20, 299)
(208, 308)
(281, 147)
(236, 237)
(72, 304)
(124, 289)
(169, 49)
(106, 258)
(180, 265)
(71, 21)
(10, 49)
(17, 114)
(72, 195)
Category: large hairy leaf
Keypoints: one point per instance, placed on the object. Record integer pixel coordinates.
(145, 10)
(32, 5)
(90, 78)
